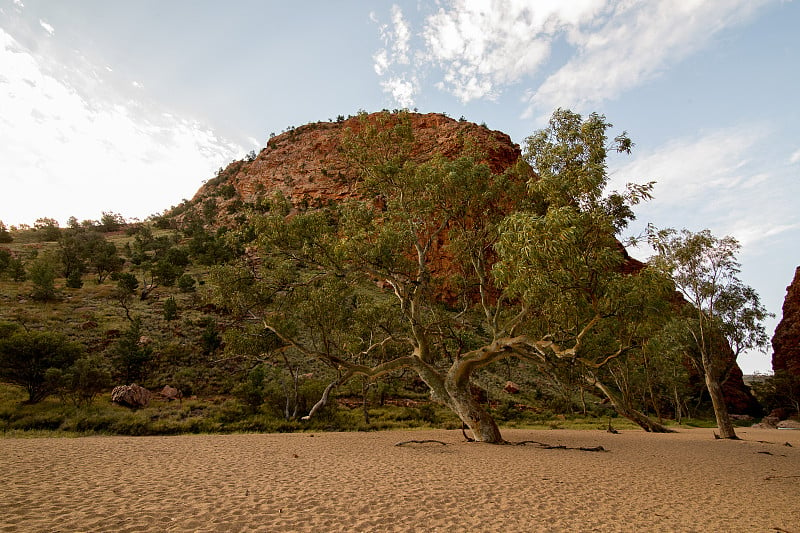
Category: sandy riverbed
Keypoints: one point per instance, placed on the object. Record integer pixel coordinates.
(363, 482)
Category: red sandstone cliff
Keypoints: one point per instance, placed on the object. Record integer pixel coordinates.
(786, 341)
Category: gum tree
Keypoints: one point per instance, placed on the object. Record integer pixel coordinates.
(404, 278)
(723, 311)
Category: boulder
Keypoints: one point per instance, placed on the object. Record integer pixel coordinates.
(132, 396)
(788, 424)
(511, 387)
(170, 393)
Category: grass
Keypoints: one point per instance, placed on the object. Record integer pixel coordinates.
(54, 418)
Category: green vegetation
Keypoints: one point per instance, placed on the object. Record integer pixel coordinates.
(452, 296)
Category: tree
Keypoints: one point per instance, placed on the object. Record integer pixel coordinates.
(723, 312)
(404, 278)
(42, 272)
(5, 236)
(47, 229)
(83, 381)
(27, 356)
(131, 354)
(562, 262)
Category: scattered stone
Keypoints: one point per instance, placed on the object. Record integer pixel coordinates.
(788, 424)
(511, 387)
(132, 396)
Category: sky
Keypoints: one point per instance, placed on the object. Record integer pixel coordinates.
(128, 107)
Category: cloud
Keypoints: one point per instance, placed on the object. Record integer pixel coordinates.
(724, 180)
(47, 27)
(402, 90)
(482, 47)
(633, 44)
(794, 158)
(19, 4)
(74, 146)
(396, 50)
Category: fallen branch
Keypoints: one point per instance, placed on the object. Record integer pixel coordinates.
(560, 446)
(425, 441)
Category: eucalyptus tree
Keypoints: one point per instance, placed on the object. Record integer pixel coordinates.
(403, 278)
(723, 314)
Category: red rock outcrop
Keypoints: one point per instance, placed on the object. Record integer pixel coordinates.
(786, 341)
(307, 166)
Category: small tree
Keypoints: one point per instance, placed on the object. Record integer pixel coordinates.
(170, 309)
(42, 272)
(723, 310)
(5, 236)
(26, 357)
(131, 356)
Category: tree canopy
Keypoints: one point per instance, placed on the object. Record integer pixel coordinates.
(444, 268)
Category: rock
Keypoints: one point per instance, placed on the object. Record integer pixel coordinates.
(786, 341)
(170, 393)
(132, 396)
(788, 424)
(511, 387)
(768, 422)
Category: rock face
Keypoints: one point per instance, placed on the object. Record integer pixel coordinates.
(307, 166)
(132, 396)
(786, 341)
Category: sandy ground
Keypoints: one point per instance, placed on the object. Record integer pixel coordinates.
(363, 482)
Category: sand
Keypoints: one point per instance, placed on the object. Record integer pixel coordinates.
(362, 482)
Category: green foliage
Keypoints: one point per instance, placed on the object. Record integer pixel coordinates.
(186, 283)
(26, 357)
(780, 391)
(83, 381)
(170, 309)
(5, 236)
(42, 272)
(47, 229)
(132, 353)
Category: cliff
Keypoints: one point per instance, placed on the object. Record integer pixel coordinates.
(786, 341)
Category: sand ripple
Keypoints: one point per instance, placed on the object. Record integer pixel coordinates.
(362, 482)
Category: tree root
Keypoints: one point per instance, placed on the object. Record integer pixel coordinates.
(425, 441)
(559, 446)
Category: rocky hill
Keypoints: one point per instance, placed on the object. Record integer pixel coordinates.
(306, 165)
(786, 341)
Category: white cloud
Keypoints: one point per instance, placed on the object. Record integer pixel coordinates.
(794, 158)
(396, 52)
(633, 45)
(483, 46)
(72, 149)
(19, 4)
(721, 180)
(402, 90)
(47, 27)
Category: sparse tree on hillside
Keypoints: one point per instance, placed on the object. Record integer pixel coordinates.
(5, 236)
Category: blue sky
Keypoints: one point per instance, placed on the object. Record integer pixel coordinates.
(129, 106)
